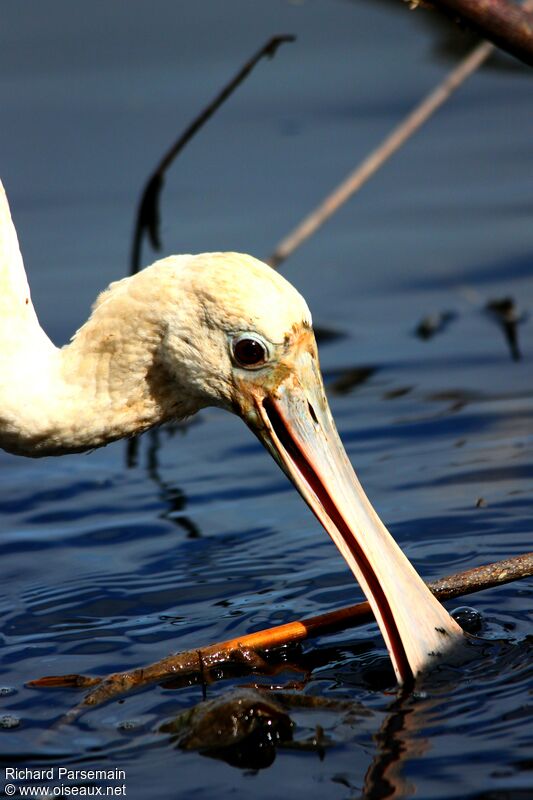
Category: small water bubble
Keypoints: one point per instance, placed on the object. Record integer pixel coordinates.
(468, 618)
(7, 721)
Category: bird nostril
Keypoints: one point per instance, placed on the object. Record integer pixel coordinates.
(312, 413)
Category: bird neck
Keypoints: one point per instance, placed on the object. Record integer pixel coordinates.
(18, 321)
(108, 383)
(112, 383)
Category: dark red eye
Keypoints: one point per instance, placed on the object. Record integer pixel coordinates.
(249, 352)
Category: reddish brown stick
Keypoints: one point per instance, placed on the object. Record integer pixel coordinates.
(243, 650)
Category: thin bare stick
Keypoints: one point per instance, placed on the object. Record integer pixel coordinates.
(377, 158)
(147, 220)
(507, 25)
(243, 650)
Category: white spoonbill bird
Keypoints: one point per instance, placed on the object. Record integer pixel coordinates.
(217, 329)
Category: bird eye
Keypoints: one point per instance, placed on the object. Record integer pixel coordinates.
(249, 351)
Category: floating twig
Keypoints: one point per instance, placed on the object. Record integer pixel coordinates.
(189, 665)
(147, 220)
(432, 324)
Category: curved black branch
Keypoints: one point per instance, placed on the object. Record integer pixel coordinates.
(148, 216)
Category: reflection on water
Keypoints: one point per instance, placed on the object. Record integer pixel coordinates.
(171, 496)
(104, 568)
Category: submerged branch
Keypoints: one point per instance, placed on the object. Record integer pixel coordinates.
(243, 651)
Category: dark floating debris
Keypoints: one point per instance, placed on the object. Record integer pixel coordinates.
(434, 323)
(469, 619)
(456, 399)
(7, 722)
(245, 726)
(401, 391)
(349, 379)
(481, 502)
(504, 312)
(241, 727)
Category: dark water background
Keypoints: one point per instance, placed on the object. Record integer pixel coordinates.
(105, 568)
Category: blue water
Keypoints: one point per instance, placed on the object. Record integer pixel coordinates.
(106, 568)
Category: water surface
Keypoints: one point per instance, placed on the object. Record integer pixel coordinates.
(105, 568)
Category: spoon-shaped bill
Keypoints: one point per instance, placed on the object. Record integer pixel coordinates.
(299, 431)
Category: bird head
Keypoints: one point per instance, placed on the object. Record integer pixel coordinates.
(246, 343)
